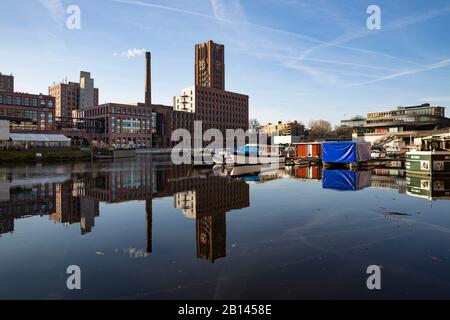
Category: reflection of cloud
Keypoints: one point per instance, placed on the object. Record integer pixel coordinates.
(55, 9)
(130, 53)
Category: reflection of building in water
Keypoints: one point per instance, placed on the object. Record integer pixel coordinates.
(130, 183)
(207, 200)
(61, 201)
(125, 181)
(26, 201)
(212, 237)
(389, 179)
(431, 188)
(71, 206)
(186, 202)
(76, 201)
(309, 173)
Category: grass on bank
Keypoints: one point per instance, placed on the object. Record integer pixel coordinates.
(26, 155)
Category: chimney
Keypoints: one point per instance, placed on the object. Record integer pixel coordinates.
(148, 80)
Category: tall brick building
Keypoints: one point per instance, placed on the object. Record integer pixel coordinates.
(210, 65)
(122, 123)
(6, 83)
(71, 96)
(27, 112)
(215, 107)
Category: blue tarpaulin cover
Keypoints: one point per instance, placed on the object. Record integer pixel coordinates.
(346, 180)
(345, 152)
(251, 178)
(249, 149)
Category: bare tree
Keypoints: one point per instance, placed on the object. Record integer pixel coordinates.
(254, 124)
(320, 128)
(343, 131)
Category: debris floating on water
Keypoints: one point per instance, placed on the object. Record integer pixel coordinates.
(397, 214)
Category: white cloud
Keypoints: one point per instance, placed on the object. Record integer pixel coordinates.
(397, 24)
(228, 10)
(434, 66)
(234, 14)
(436, 99)
(55, 9)
(130, 53)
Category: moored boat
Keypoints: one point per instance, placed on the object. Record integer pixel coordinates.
(250, 155)
(428, 162)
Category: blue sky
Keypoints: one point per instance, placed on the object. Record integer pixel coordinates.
(296, 59)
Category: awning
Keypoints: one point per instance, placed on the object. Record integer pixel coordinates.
(29, 137)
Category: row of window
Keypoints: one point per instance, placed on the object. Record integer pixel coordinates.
(421, 111)
(134, 141)
(207, 94)
(406, 119)
(126, 125)
(131, 111)
(25, 101)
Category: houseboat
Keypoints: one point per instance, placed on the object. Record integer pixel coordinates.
(346, 153)
(308, 152)
(432, 159)
(250, 154)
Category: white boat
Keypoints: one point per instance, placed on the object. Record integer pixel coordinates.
(258, 169)
(250, 155)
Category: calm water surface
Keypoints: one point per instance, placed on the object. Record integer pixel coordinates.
(145, 229)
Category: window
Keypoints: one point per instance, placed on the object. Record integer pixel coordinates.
(1, 99)
(9, 100)
(42, 102)
(26, 101)
(50, 103)
(42, 120)
(34, 102)
(18, 101)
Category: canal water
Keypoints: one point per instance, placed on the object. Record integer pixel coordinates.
(144, 229)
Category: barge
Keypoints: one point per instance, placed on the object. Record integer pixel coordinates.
(428, 163)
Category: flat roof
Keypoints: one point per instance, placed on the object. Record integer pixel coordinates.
(31, 137)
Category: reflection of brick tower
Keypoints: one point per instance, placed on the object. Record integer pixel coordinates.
(212, 237)
(207, 200)
(148, 170)
(148, 209)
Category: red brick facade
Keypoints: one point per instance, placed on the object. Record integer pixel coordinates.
(27, 112)
(123, 123)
